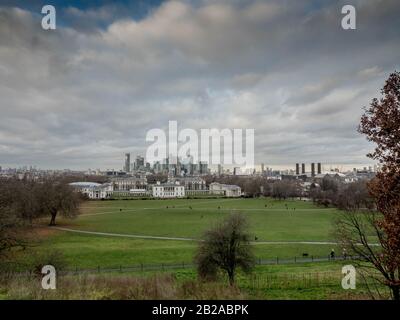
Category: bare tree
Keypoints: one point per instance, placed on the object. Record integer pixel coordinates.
(10, 221)
(56, 197)
(286, 189)
(360, 234)
(226, 247)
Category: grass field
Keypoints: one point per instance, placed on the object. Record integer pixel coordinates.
(270, 221)
(277, 227)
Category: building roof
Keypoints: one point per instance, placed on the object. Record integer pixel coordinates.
(226, 186)
(331, 174)
(85, 184)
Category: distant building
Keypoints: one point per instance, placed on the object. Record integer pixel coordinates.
(114, 173)
(333, 175)
(168, 190)
(190, 183)
(139, 193)
(127, 166)
(203, 168)
(128, 183)
(139, 163)
(93, 190)
(313, 169)
(220, 169)
(194, 186)
(227, 190)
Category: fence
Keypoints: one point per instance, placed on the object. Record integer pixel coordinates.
(184, 265)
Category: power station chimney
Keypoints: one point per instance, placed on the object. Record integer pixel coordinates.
(303, 168)
(313, 169)
(297, 169)
(319, 168)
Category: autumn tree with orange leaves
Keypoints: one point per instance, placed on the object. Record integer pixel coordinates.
(358, 230)
(381, 124)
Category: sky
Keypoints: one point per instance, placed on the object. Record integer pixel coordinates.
(84, 94)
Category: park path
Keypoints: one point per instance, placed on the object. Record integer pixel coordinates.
(121, 235)
(137, 236)
(290, 211)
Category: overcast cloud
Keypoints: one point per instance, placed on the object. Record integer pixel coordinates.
(81, 96)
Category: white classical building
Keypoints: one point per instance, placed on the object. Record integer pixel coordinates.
(139, 192)
(94, 190)
(194, 186)
(227, 190)
(168, 190)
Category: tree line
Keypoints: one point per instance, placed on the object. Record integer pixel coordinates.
(24, 201)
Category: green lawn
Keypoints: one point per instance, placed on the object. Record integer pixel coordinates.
(89, 251)
(302, 221)
(270, 220)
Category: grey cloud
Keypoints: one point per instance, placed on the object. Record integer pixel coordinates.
(82, 95)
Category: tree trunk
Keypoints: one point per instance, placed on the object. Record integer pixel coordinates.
(231, 275)
(53, 219)
(396, 292)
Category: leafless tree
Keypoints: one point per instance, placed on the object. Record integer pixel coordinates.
(10, 220)
(56, 197)
(225, 247)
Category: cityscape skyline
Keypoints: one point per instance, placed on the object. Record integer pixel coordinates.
(127, 166)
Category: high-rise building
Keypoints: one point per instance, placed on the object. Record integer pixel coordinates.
(203, 167)
(313, 169)
(127, 166)
(219, 169)
(262, 168)
(303, 168)
(319, 168)
(139, 163)
(297, 168)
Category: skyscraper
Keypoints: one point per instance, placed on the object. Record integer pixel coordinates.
(203, 167)
(303, 168)
(297, 169)
(319, 168)
(139, 163)
(127, 166)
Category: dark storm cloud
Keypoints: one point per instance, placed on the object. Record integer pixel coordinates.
(86, 93)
